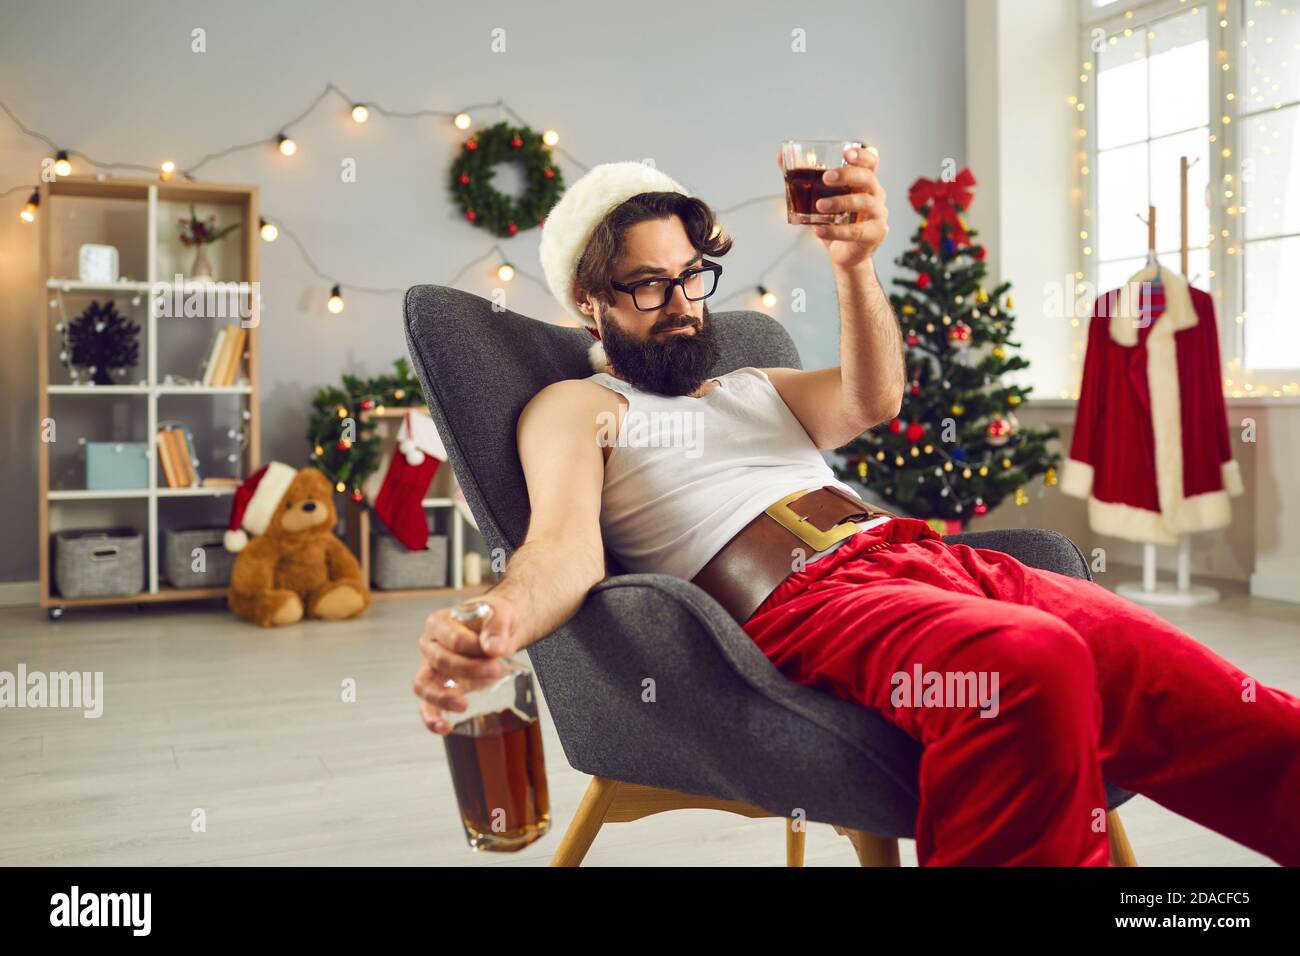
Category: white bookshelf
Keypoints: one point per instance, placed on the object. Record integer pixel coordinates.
(235, 260)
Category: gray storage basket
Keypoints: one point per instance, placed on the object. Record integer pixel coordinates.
(392, 567)
(99, 563)
(178, 558)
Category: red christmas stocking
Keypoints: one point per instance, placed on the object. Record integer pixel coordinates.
(414, 463)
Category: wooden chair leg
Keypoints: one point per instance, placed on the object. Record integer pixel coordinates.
(872, 850)
(586, 822)
(1121, 851)
(794, 842)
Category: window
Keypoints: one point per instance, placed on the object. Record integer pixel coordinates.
(1267, 97)
(1219, 83)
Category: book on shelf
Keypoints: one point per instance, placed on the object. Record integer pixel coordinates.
(166, 459)
(214, 351)
(225, 356)
(191, 454)
(177, 455)
(218, 481)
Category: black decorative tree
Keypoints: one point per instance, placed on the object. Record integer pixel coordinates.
(102, 340)
(956, 450)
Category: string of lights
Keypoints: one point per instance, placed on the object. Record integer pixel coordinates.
(360, 112)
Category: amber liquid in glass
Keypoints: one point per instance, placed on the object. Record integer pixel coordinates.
(803, 187)
(500, 780)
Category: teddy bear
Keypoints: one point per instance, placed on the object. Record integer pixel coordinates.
(296, 566)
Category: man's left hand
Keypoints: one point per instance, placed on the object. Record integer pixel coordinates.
(855, 242)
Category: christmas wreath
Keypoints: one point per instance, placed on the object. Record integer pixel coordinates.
(482, 204)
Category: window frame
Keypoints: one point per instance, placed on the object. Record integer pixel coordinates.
(1227, 254)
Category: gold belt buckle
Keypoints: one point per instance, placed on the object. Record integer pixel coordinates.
(809, 533)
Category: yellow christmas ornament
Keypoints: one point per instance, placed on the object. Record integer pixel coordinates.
(1013, 399)
(984, 470)
(909, 309)
(862, 469)
(999, 353)
(1021, 497)
(1050, 477)
(958, 408)
(981, 296)
(1011, 303)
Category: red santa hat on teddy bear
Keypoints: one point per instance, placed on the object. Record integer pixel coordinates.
(255, 503)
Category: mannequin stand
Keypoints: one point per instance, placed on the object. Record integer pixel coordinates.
(1182, 594)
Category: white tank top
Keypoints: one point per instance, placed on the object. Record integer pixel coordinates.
(686, 474)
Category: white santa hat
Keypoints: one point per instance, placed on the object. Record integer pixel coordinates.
(255, 503)
(572, 220)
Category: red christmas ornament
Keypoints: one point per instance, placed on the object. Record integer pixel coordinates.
(548, 173)
(464, 179)
(367, 403)
(912, 339)
(471, 144)
(979, 252)
(471, 215)
(516, 142)
(981, 508)
(923, 280)
(356, 495)
(342, 445)
(915, 432)
(511, 228)
(998, 432)
(959, 335)
(541, 222)
(895, 426)
(916, 388)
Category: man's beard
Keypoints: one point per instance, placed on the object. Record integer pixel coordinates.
(676, 365)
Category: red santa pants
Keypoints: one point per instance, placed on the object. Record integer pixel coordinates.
(1090, 688)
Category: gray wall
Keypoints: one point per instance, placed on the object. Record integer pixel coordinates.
(706, 90)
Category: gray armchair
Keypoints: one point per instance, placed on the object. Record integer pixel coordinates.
(728, 731)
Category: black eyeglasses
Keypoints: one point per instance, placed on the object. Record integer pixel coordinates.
(651, 294)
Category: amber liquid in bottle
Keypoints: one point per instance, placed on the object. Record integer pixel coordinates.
(499, 776)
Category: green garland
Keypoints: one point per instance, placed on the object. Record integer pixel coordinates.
(349, 463)
(481, 203)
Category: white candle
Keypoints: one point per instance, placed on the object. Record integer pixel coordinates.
(473, 569)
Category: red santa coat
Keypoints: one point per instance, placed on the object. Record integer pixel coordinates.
(1150, 451)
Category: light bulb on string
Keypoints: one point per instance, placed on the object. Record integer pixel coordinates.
(766, 296)
(461, 121)
(62, 167)
(359, 113)
(335, 303)
(269, 231)
(287, 146)
(166, 170)
(505, 272)
(29, 208)
(550, 137)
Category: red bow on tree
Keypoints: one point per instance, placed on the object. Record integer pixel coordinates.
(943, 196)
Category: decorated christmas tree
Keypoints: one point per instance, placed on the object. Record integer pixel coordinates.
(343, 440)
(956, 449)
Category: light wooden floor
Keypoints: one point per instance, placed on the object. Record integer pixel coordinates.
(202, 711)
